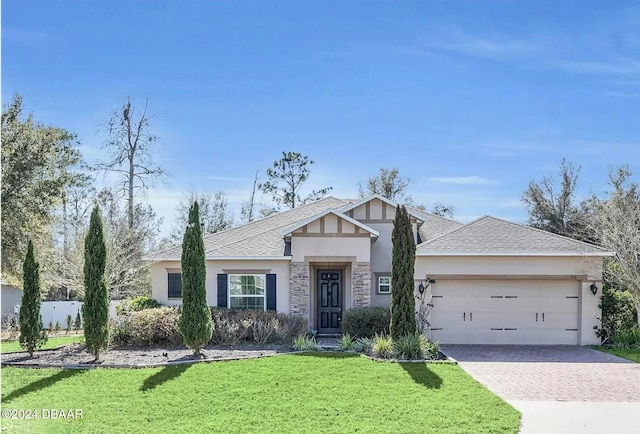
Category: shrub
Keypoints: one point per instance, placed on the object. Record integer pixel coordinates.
(366, 322)
(362, 345)
(195, 322)
(626, 339)
(31, 334)
(68, 324)
(618, 313)
(403, 254)
(382, 347)
(137, 304)
(430, 349)
(95, 309)
(231, 326)
(345, 343)
(147, 327)
(304, 342)
(9, 327)
(50, 327)
(409, 347)
(77, 324)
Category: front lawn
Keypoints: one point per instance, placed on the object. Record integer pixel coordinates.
(633, 355)
(53, 342)
(309, 393)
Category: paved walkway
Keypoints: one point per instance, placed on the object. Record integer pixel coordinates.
(558, 388)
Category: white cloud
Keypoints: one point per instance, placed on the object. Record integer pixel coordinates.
(463, 180)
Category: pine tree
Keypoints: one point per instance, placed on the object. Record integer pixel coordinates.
(95, 310)
(77, 324)
(403, 319)
(195, 322)
(32, 335)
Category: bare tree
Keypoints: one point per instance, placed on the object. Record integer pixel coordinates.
(555, 210)
(248, 208)
(215, 214)
(388, 183)
(130, 147)
(616, 224)
(286, 179)
(443, 210)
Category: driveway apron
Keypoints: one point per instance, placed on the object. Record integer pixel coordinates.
(558, 389)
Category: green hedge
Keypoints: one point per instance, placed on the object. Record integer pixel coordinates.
(231, 326)
(366, 322)
(618, 313)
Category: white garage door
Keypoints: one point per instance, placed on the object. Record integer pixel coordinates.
(505, 312)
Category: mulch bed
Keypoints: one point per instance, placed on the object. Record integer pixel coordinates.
(75, 356)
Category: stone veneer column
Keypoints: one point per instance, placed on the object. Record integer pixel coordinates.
(299, 289)
(361, 285)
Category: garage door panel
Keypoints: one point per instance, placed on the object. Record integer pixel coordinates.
(505, 312)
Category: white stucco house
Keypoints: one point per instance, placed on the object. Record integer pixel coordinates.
(490, 281)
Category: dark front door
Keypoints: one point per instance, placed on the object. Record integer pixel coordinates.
(329, 301)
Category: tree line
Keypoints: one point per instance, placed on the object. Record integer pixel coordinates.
(611, 221)
(48, 192)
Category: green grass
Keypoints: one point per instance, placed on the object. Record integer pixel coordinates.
(633, 355)
(292, 393)
(14, 346)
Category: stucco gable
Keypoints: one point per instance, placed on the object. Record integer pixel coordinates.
(330, 222)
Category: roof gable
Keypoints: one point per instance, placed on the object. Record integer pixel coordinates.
(352, 206)
(491, 236)
(339, 215)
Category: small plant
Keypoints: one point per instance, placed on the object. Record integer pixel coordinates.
(50, 328)
(626, 339)
(345, 342)
(77, 324)
(363, 345)
(409, 347)
(430, 349)
(57, 327)
(382, 346)
(304, 342)
(68, 324)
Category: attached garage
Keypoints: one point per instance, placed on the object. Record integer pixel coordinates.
(496, 282)
(505, 312)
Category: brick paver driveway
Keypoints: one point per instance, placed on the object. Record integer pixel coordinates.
(549, 373)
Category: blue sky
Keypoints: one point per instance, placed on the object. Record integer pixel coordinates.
(471, 100)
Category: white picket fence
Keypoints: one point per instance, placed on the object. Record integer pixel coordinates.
(57, 311)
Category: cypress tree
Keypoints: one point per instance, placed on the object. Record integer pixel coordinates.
(32, 335)
(195, 322)
(95, 311)
(403, 318)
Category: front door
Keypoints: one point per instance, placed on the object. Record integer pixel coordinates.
(329, 301)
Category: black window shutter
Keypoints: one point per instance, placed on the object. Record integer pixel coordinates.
(271, 292)
(174, 284)
(222, 290)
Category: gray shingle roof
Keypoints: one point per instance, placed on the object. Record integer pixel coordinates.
(434, 225)
(259, 238)
(492, 236)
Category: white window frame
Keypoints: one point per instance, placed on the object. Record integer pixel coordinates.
(229, 296)
(380, 284)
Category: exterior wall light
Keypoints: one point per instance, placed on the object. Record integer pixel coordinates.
(593, 288)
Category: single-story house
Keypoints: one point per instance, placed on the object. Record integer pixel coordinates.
(490, 281)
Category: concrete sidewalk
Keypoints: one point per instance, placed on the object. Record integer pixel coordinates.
(549, 417)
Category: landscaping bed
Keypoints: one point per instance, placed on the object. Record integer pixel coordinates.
(76, 355)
